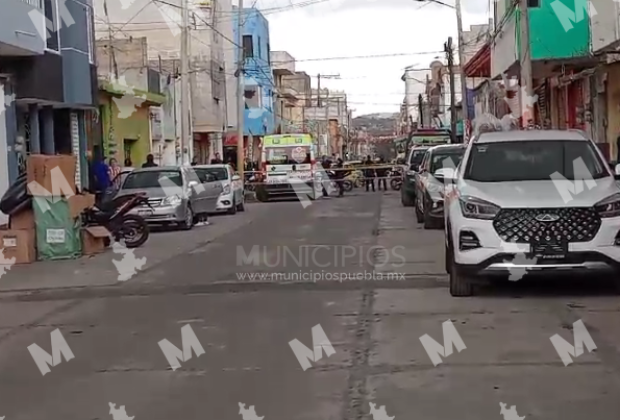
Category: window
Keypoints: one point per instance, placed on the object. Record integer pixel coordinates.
(248, 48)
(152, 179)
(446, 159)
(260, 55)
(533, 3)
(52, 25)
(252, 97)
(216, 174)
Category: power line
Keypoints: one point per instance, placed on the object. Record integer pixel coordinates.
(356, 57)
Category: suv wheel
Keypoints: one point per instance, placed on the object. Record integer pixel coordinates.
(460, 284)
(419, 216)
(406, 199)
(429, 223)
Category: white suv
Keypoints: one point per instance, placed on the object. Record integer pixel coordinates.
(539, 200)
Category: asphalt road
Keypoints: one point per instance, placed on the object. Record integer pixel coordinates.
(244, 318)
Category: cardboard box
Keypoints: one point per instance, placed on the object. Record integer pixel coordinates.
(51, 175)
(79, 202)
(22, 220)
(93, 239)
(19, 244)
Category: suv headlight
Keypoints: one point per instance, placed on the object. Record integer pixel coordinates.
(174, 200)
(609, 207)
(475, 208)
(226, 189)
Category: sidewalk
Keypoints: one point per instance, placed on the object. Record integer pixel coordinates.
(99, 270)
(423, 249)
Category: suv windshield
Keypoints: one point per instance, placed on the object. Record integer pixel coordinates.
(446, 159)
(533, 161)
(151, 179)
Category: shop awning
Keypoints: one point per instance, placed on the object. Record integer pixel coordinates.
(480, 64)
(231, 140)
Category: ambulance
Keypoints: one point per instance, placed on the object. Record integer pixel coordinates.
(287, 159)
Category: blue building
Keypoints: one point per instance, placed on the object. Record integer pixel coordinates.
(47, 80)
(258, 76)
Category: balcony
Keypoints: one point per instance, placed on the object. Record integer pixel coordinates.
(282, 63)
(22, 28)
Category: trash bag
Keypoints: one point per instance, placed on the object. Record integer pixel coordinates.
(16, 198)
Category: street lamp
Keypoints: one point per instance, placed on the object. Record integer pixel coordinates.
(459, 26)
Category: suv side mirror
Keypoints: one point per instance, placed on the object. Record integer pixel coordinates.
(236, 177)
(192, 184)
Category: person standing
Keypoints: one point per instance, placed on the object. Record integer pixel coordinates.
(217, 159)
(382, 174)
(150, 161)
(340, 175)
(369, 174)
(101, 174)
(114, 171)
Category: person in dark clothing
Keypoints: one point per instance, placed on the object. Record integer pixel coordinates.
(326, 165)
(369, 174)
(128, 163)
(339, 176)
(308, 159)
(217, 159)
(382, 174)
(101, 174)
(150, 161)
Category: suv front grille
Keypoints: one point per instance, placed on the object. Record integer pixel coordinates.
(573, 224)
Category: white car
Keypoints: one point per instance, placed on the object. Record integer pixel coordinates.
(532, 201)
(232, 198)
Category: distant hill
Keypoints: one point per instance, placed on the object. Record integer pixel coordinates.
(379, 124)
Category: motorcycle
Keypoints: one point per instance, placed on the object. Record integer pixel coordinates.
(113, 215)
(396, 180)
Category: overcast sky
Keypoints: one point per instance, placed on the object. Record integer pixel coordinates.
(336, 28)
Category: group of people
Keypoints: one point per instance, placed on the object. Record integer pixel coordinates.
(370, 174)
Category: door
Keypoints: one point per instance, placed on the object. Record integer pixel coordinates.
(422, 180)
(197, 194)
(212, 188)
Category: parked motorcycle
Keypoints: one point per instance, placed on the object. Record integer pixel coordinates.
(396, 180)
(113, 215)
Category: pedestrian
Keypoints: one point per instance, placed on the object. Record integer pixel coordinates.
(340, 175)
(101, 173)
(150, 161)
(128, 163)
(216, 160)
(382, 174)
(114, 171)
(326, 165)
(369, 174)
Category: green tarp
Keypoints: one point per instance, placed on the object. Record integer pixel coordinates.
(58, 235)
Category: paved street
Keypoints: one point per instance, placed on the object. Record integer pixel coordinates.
(244, 316)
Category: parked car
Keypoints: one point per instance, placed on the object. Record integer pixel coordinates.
(430, 182)
(232, 198)
(412, 164)
(536, 201)
(177, 195)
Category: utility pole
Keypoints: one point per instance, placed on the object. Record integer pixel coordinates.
(185, 127)
(450, 56)
(526, 65)
(318, 98)
(420, 110)
(459, 24)
(240, 92)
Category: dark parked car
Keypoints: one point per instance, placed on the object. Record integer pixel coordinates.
(412, 163)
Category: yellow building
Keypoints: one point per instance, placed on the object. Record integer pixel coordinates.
(125, 122)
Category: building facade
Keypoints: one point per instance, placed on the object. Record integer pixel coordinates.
(49, 84)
